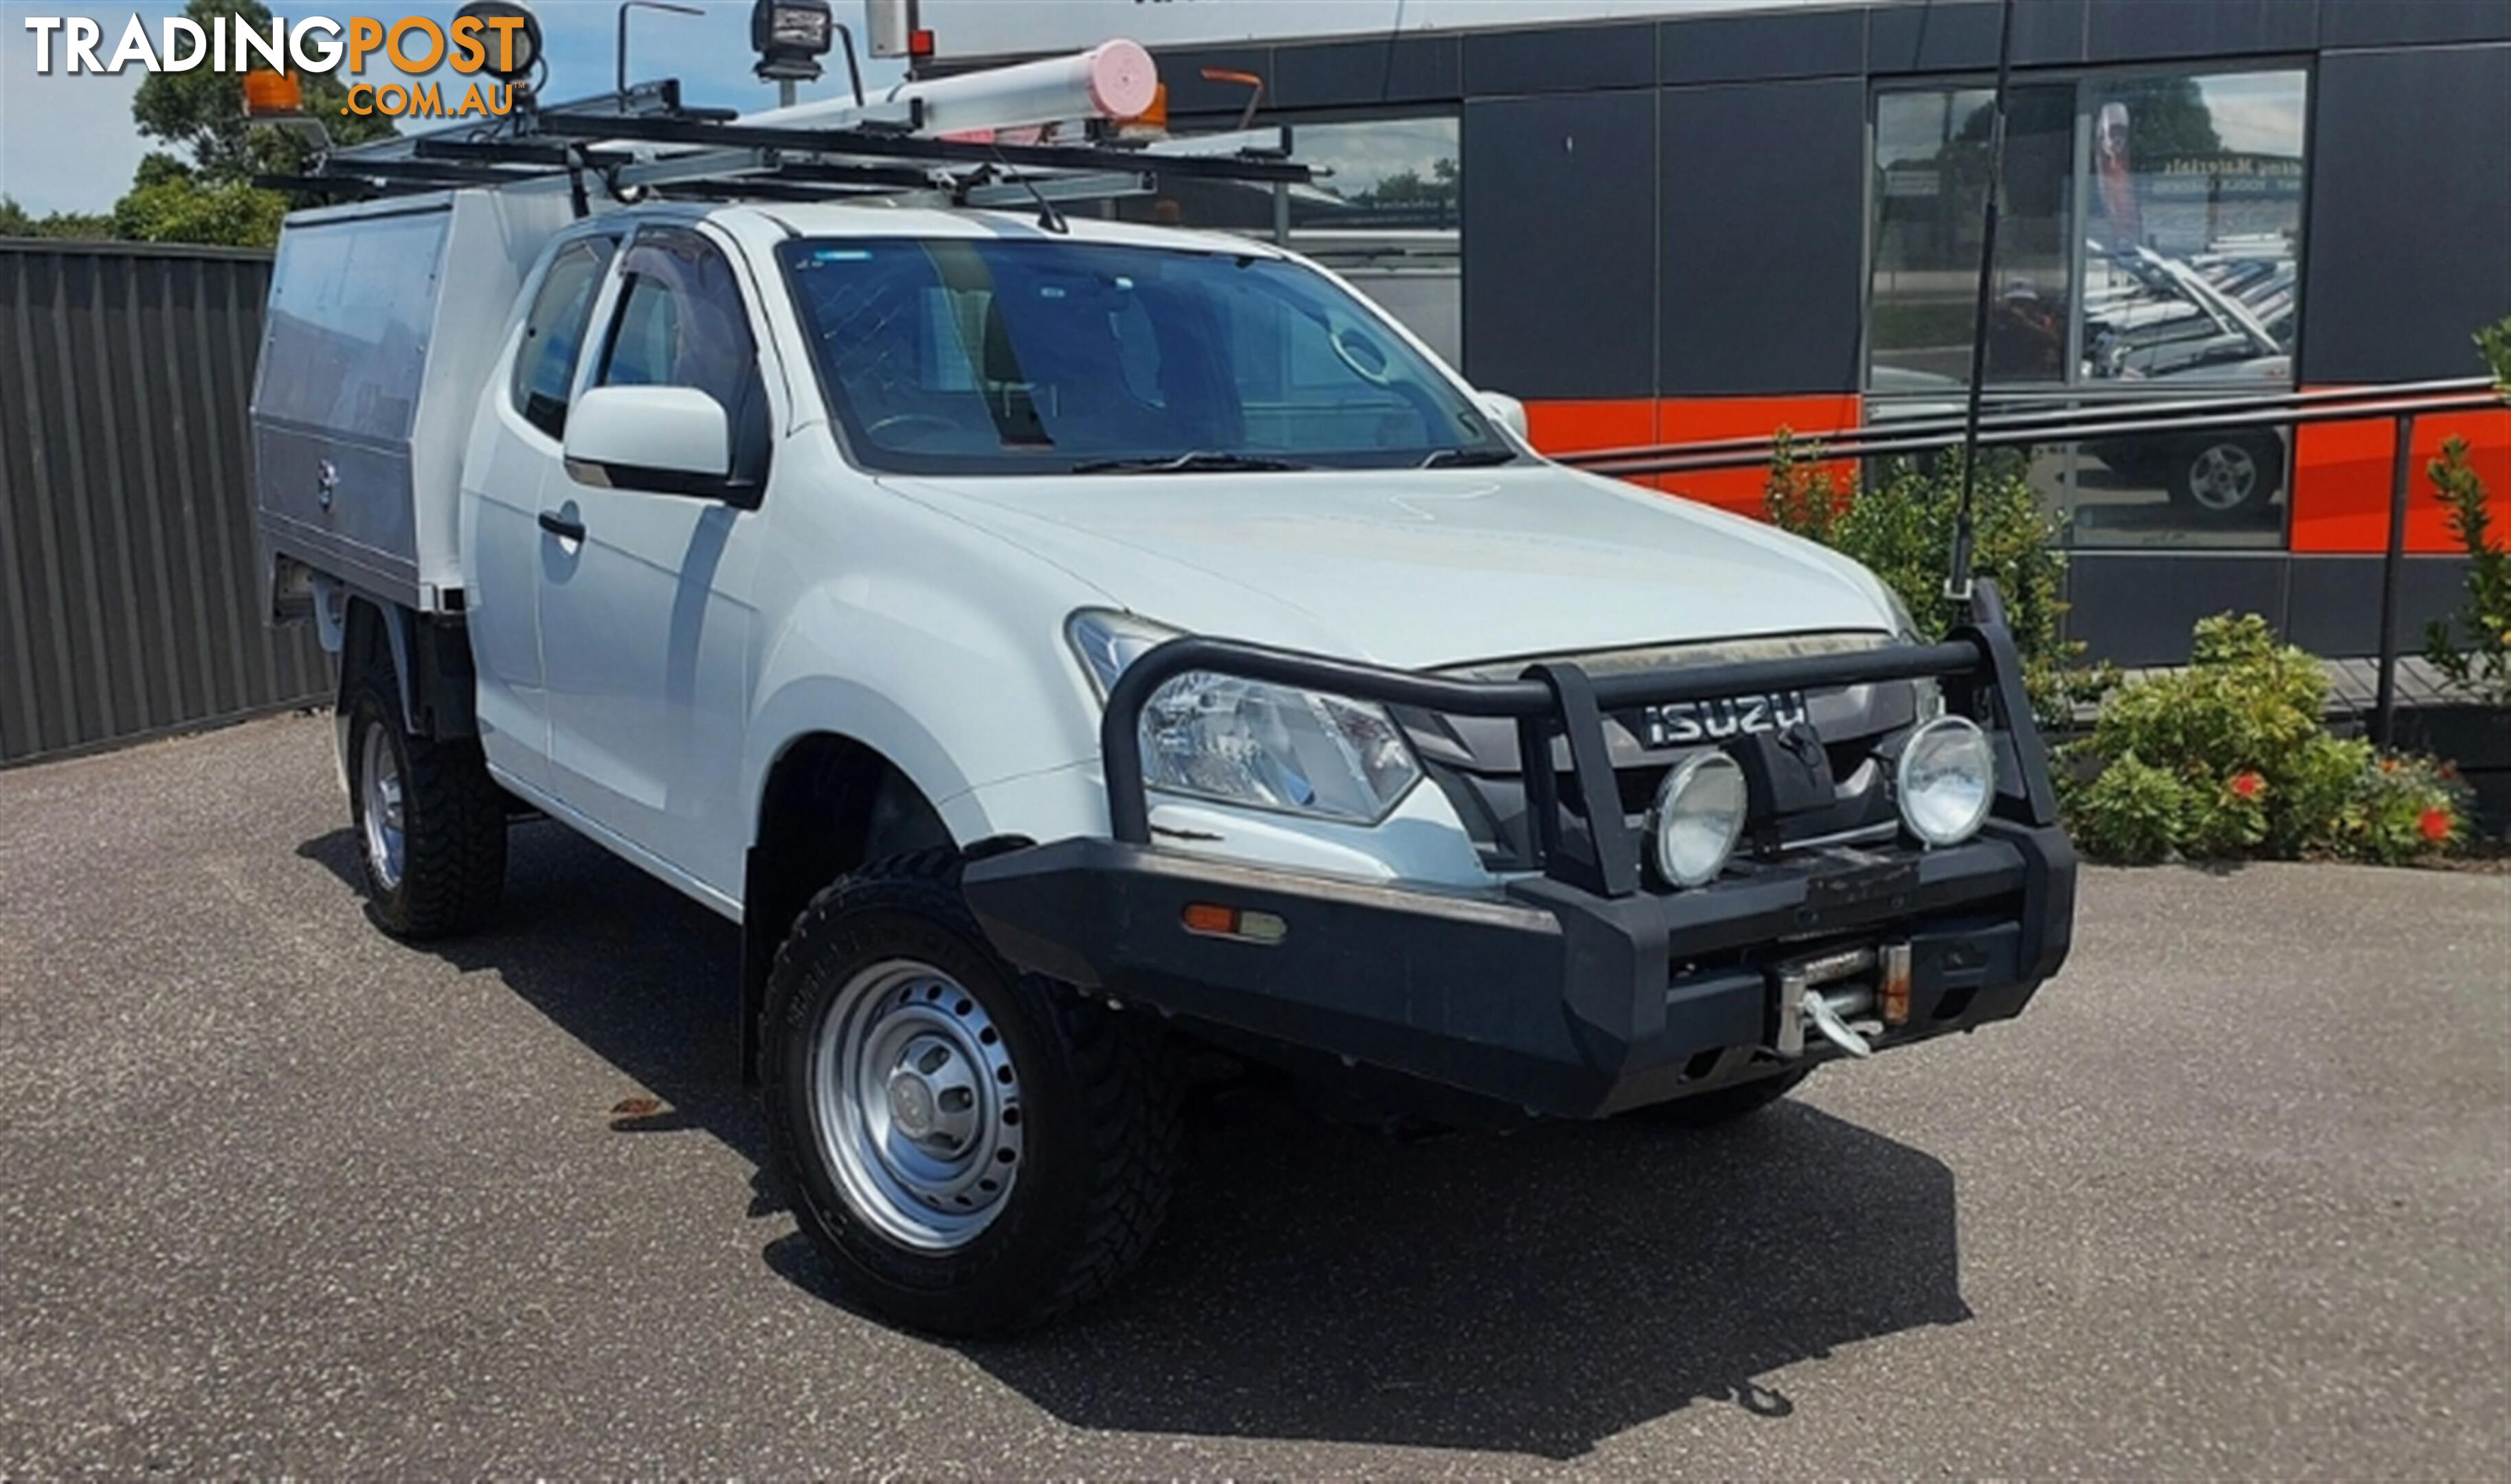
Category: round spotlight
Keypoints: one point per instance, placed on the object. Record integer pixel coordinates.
(527, 37)
(1698, 817)
(1945, 781)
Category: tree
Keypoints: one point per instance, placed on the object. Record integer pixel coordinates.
(210, 197)
(16, 221)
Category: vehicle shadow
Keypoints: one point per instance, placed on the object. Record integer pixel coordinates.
(1537, 1293)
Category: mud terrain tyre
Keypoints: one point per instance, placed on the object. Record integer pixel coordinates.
(430, 823)
(971, 1149)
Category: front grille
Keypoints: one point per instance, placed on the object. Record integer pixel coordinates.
(1476, 763)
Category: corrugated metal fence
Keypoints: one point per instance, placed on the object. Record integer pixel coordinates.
(130, 599)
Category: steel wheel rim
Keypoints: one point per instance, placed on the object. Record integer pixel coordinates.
(379, 780)
(916, 1106)
(2223, 476)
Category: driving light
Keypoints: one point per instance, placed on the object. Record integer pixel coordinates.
(1244, 742)
(1945, 779)
(1698, 817)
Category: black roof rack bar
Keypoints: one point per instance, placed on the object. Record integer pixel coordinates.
(886, 177)
(439, 173)
(840, 141)
(514, 152)
(767, 188)
(341, 188)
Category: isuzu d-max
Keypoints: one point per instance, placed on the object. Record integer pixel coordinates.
(1060, 644)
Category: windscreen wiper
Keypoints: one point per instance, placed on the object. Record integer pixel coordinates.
(1187, 463)
(1468, 458)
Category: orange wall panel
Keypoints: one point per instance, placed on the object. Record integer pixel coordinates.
(1698, 419)
(1581, 427)
(2341, 479)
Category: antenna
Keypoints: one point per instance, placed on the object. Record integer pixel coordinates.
(1048, 217)
(1957, 577)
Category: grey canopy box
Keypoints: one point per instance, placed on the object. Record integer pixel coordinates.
(379, 339)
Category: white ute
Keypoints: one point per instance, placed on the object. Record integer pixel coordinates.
(1059, 642)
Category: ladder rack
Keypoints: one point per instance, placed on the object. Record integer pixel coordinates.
(645, 141)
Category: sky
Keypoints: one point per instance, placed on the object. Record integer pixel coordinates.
(67, 144)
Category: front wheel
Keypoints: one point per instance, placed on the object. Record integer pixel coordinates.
(971, 1149)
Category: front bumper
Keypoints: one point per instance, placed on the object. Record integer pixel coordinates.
(1540, 995)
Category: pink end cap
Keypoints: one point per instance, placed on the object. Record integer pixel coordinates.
(1124, 81)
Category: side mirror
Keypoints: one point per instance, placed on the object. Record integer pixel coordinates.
(672, 439)
(1504, 409)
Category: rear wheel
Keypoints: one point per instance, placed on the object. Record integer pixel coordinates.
(431, 823)
(2229, 476)
(971, 1149)
(1724, 1105)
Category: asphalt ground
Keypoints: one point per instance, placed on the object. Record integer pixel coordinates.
(279, 1195)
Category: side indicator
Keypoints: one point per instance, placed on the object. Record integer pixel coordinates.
(1211, 919)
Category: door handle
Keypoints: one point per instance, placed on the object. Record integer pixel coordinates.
(560, 527)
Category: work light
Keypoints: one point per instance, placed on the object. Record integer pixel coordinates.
(527, 38)
(790, 36)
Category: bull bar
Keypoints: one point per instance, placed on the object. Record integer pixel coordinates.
(1578, 991)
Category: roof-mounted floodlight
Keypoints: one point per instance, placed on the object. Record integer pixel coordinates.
(523, 46)
(790, 36)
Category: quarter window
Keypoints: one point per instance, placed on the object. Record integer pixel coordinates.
(554, 334)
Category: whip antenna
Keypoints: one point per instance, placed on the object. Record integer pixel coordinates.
(1958, 579)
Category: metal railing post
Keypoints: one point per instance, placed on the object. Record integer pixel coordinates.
(2384, 708)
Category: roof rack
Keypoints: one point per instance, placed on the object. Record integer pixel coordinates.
(643, 142)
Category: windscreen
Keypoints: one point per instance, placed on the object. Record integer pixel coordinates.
(988, 357)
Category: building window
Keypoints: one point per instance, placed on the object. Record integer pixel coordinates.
(2182, 278)
(1383, 212)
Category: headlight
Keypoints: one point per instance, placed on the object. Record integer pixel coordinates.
(1699, 814)
(1945, 779)
(1243, 741)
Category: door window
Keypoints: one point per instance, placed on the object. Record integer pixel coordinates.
(554, 333)
(682, 323)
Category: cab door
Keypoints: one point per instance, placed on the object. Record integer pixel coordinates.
(514, 446)
(646, 615)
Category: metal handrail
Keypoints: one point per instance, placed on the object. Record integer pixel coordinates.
(2401, 402)
(2059, 417)
(2073, 425)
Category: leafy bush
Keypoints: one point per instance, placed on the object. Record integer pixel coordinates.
(2477, 656)
(2230, 757)
(1902, 529)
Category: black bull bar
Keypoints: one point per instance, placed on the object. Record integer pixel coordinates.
(1582, 990)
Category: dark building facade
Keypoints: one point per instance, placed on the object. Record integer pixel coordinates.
(1712, 225)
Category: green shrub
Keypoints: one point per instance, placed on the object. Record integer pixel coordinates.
(2477, 656)
(1900, 527)
(2230, 757)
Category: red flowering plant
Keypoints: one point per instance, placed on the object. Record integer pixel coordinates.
(2232, 757)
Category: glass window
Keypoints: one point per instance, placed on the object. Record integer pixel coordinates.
(1931, 172)
(682, 323)
(994, 357)
(554, 334)
(2149, 245)
(1383, 212)
(2194, 230)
